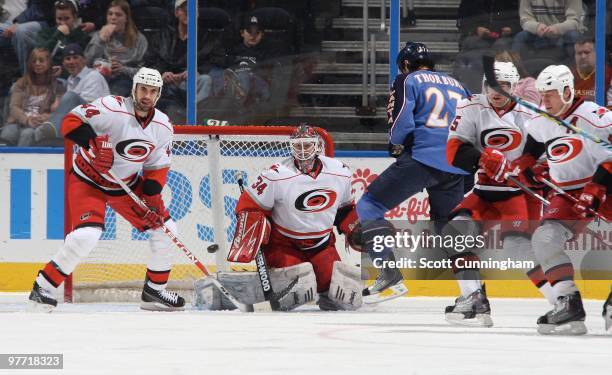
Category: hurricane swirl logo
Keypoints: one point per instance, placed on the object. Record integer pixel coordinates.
(502, 139)
(135, 150)
(563, 149)
(315, 200)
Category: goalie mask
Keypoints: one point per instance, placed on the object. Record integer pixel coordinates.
(305, 147)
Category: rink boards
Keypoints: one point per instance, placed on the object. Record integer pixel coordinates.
(32, 205)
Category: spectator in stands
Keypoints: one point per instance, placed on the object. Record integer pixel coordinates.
(93, 14)
(584, 71)
(120, 43)
(168, 54)
(83, 84)
(21, 33)
(525, 88)
(486, 23)
(549, 23)
(64, 32)
(33, 98)
(248, 62)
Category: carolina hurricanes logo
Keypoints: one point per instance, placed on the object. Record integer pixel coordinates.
(135, 150)
(562, 149)
(315, 200)
(502, 139)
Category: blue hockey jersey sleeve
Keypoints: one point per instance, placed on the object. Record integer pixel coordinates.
(423, 104)
(400, 110)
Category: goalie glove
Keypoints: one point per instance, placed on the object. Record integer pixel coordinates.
(348, 224)
(252, 231)
(101, 153)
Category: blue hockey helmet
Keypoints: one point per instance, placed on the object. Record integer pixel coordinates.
(417, 55)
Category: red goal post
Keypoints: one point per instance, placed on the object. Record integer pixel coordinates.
(200, 194)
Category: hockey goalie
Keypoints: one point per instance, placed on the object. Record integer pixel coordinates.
(289, 212)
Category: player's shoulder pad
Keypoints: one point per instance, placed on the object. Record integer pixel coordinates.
(594, 115)
(335, 166)
(280, 171)
(111, 103)
(162, 119)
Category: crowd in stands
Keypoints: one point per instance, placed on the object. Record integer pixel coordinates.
(533, 34)
(68, 52)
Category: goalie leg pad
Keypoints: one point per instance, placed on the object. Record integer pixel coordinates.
(345, 289)
(252, 231)
(244, 286)
(302, 292)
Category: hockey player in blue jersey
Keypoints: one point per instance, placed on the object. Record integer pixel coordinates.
(422, 104)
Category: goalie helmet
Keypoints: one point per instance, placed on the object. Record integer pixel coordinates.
(504, 72)
(556, 77)
(150, 77)
(305, 147)
(417, 54)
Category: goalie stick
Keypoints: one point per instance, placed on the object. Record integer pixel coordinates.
(180, 245)
(270, 296)
(488, 63)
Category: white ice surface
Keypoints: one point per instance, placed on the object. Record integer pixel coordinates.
(407, 336)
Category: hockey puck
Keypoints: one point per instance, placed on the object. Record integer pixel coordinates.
(213, 248)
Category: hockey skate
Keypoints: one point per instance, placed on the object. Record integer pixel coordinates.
(607, 313)
(566, 318)
(161, 300)
(388, 279)
(473, 310)
(41, 300)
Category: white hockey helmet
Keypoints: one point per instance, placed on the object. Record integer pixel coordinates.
(556, 77)
(147, 76)
(504, 72)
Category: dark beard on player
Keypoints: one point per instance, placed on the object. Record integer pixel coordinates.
(141, 108)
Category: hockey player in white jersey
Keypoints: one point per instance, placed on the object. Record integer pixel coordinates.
(298, 201)
(130, 136)
(582, 169)
(488, 131)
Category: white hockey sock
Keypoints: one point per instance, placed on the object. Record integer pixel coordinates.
(468, 287)
(564, 288)
(549, 293)
(45, 284)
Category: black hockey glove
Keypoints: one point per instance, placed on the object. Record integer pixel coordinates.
(395, 150)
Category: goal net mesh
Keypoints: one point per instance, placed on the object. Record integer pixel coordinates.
(201, 194)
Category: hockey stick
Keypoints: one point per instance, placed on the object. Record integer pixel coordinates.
(262, 268)
(488, 63)
(180, 245)
(537, 196)
(570, 197)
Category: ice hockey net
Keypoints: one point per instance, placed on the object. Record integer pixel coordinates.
(201, 194)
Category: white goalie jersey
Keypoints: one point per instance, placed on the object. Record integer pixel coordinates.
(573, 159)
(303, 207)
(136, 146)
